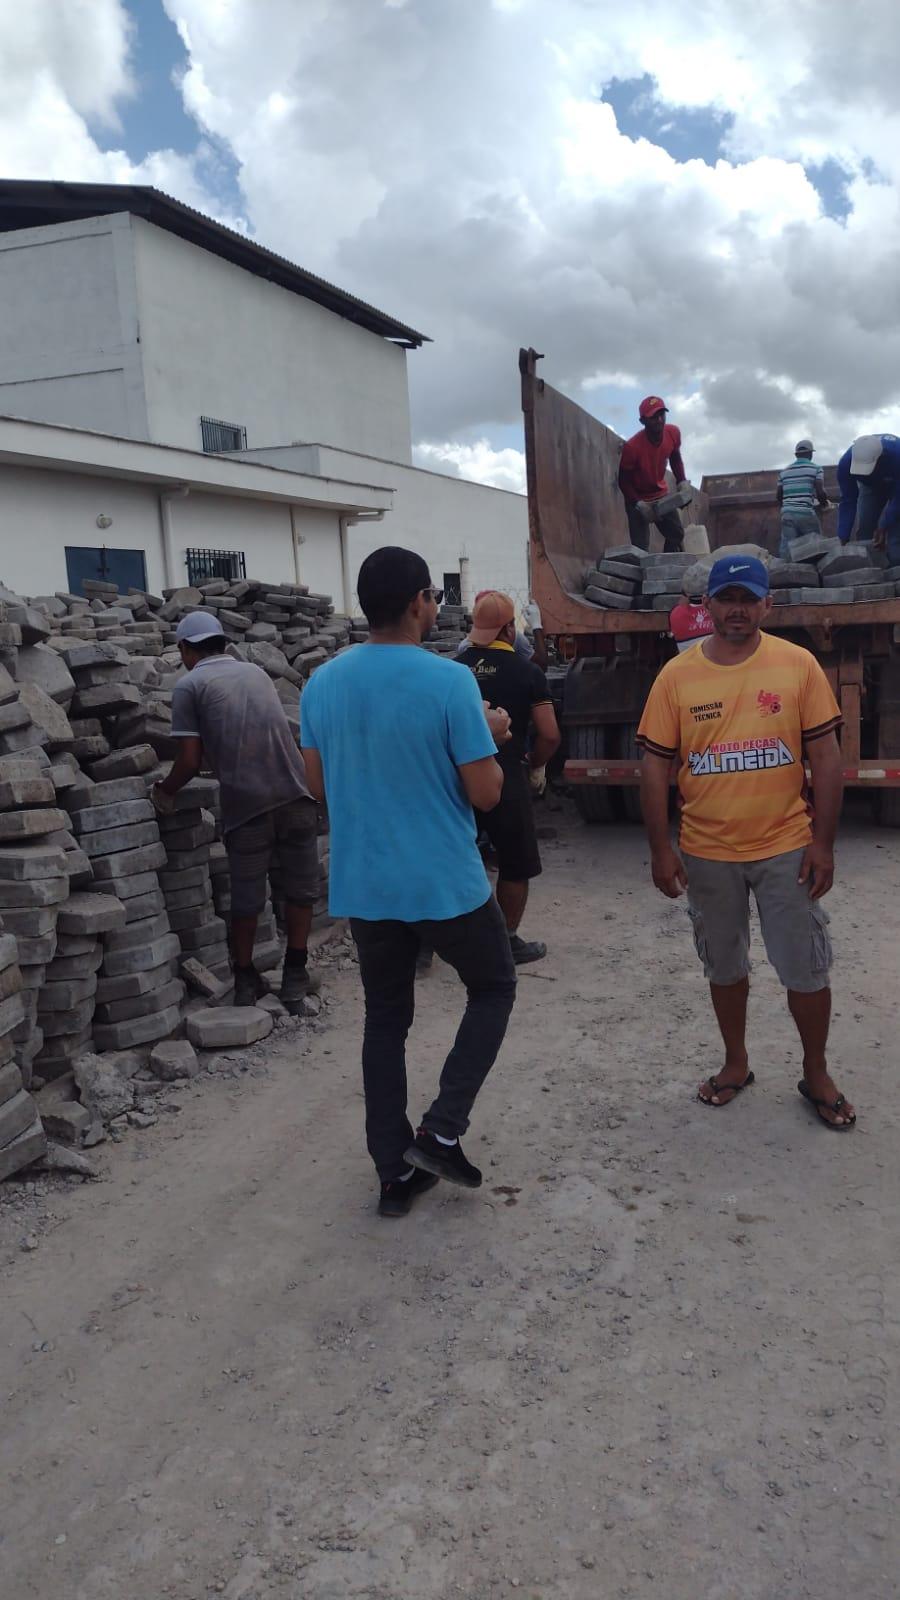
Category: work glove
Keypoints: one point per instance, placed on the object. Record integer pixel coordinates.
(537, 778)
(532, 616)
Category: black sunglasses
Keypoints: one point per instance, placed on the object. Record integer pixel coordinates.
(434, 594)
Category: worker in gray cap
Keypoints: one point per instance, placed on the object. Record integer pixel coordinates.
(801, 487)
(227, 715)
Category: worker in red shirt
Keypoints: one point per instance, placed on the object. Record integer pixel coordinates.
(642, 474)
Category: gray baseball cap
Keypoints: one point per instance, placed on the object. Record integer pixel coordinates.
(803, 447)
(197, 625)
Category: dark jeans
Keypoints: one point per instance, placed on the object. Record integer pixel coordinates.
(670, 526)
(477, 947)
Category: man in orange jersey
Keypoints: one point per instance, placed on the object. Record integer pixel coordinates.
(740, 713)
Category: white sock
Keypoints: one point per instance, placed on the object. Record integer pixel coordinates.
(441, 1140)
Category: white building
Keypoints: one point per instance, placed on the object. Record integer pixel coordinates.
(175, 398)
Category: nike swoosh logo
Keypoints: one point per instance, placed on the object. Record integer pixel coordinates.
(744, 568)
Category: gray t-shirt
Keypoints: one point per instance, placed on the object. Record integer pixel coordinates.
(233, 708)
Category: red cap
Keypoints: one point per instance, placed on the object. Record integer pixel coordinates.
(650, 406)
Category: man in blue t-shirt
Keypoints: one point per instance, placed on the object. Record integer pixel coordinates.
(398, 742)
(869, 479)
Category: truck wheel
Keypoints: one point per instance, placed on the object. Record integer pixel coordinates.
(889, 808)
(593, 801)
(629, 750)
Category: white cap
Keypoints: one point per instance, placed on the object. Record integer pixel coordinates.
(198, 625)
(864, 455)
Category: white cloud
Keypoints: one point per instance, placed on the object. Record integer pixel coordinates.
(480, 462)
(454, 164)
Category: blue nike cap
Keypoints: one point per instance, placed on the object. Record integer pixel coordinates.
(738, 572)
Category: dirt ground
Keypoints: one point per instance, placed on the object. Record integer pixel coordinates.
(656, 1355)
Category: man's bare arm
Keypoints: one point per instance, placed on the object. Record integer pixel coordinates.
(315, 776)
(817, 867)
(666, 864)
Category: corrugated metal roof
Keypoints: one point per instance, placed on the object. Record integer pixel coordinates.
(27, 204)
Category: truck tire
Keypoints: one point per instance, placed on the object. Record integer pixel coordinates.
(629, 750)
(889, 808)
(593, 802)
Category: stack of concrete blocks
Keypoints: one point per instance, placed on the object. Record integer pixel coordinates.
(22, 1138)
(139, 994)
(615, 582)
(68, 1008)
(825, 572)
(188, 836)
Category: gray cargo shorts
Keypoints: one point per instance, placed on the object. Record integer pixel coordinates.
(282, 845)
(794, 927)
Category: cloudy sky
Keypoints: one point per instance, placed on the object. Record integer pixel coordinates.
(695, 201)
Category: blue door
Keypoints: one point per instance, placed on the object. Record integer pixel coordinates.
(127, 569)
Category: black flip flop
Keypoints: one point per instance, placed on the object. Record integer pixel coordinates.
(836, 1106)
(721, 1088)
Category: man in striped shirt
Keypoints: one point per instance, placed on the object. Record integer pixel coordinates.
(800, 487)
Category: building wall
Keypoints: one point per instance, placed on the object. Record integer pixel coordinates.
(444, 518)
(69, 346)
(43, 511)
(219, 342)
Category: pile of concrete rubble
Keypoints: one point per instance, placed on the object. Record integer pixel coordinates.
(114, 921)
(820, 572)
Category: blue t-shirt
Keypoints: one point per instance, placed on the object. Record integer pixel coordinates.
(392, 723)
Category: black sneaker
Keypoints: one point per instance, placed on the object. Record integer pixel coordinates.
(444, 1160)
(296, 984)
(397, 1197)
(249, 986)
(524, 950)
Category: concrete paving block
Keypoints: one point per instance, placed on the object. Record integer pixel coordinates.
(106, 699)
(7, 1048)
(91, 749)
(174, 1059)
(663, 583)
(813, 547)
(67, 1119)
(181, 839)
(30, 922)
(145, 1005)
(33, 823)
(12, 1013)
(104, 1090)
(199, 894)
(138, 1030)
(72, 1020)
(34, 976)
(16, 1115)
(265, 956)
(14, 714)
(22, 741)
(75, 966)
(188, 918)
(65, 993)
(607, 599)
(129, 886)
(626, 571)
(125, 863)
(58, 1054)
(38, 664)
(37, 952)
(825, 597)
(9, 955)
(142, 931)
(213, 932)
(849, 558)
(10, 1081)
(76, 944)
(133, 984)
(9, 689)
(145, 906)
(607, 580)
(11, 981)
(136, 958)
(33, 892)
(22, 1151)
(665, 602)
(109, 818)
(228, 1027)
(790, 575)
(851, 577)
(45, 713)
(870, 593)
(184, 860)
(65, 778)
(90, 795)
(25, 784)
(112, 841)
(184, 877)
(199, 978)
(129, 763)
(90, 914)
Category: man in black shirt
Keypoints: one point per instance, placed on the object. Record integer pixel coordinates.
(520, 688)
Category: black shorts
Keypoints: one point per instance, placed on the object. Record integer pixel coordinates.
(510, 827)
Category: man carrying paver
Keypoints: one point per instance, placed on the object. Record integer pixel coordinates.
(227, 712)
(642, 474)
(520, 687)
(398, 742)
(801, 487)
(739, 714)
(869, 480)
